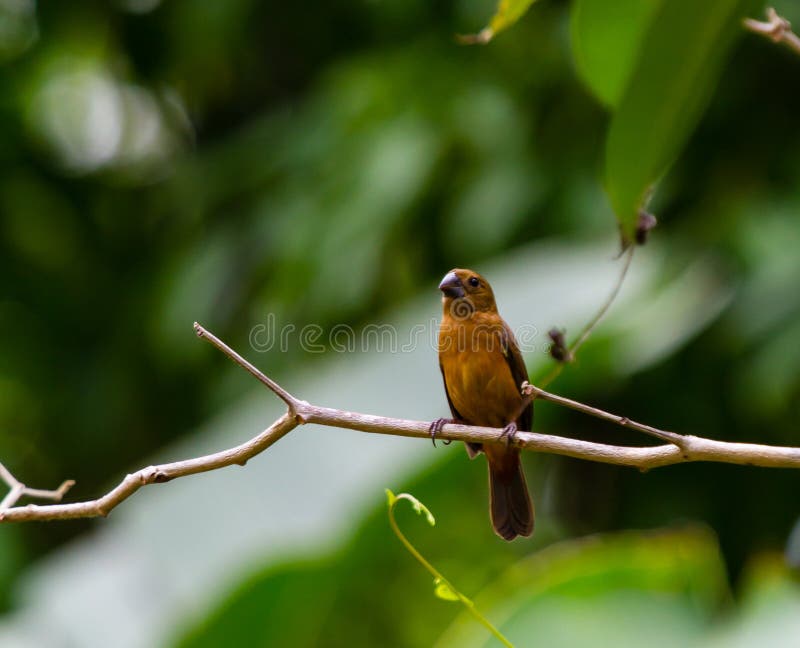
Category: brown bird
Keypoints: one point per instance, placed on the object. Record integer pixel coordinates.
(483, 371)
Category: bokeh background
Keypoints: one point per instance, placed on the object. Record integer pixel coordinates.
(232, 162)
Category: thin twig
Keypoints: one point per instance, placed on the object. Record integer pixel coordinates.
(590, 327)
(532, 392)
(777, 29)
(572, 350)
(680, 449)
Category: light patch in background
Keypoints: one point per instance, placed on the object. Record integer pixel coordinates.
(663, 323)
(92, 120)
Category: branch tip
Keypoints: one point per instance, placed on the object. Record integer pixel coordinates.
(259, 375)
(65, 486)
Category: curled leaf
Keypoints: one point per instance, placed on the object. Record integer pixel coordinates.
(419, 507)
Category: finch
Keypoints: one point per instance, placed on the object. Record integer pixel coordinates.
(483, 371)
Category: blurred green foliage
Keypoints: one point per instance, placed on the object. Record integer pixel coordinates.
(220, 161)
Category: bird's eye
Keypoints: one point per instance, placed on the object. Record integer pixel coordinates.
(473, 281)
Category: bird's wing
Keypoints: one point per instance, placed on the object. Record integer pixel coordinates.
(453, 409)
(516, 364)
(472, 448)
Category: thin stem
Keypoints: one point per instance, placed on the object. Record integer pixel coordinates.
(437, 575)
(587, 330)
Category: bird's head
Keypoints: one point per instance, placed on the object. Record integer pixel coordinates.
(465, 291)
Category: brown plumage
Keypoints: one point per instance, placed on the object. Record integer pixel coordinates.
(483, 371)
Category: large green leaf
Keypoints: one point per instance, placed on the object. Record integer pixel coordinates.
(680, 59)
(605, 40)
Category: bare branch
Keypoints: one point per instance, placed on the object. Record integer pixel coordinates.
(777, 29)
(153, 475)
(680, 449)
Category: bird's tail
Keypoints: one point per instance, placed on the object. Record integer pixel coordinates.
(511, 507)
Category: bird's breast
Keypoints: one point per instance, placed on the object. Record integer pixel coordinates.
(478, 378)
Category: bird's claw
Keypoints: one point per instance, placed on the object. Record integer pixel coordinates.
(509, 433)
(436, 427)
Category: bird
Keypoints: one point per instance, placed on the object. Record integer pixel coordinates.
(483, 371)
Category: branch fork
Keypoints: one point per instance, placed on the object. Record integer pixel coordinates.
(17, 490)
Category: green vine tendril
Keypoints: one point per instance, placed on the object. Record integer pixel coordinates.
(443, 588)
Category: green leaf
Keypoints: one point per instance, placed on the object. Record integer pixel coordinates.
(605, 41)
(508, 12)
(682, 54)
(443, 590)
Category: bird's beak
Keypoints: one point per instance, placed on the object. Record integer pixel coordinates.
(451, 286)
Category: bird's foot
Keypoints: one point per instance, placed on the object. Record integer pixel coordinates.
(509, 433)
(437, 426)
